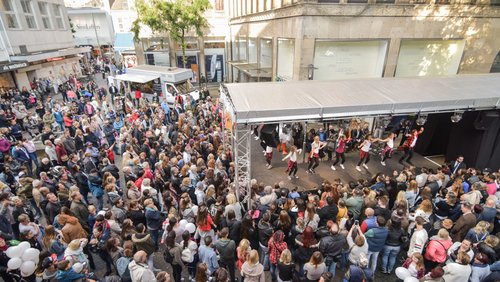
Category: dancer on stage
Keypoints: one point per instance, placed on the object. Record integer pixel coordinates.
(340, 152)
(316, 145)
(364, 152)
(269, 156)
(388, 148)
(292, 162)
(409, 145)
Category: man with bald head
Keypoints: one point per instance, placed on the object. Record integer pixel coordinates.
(139, 270)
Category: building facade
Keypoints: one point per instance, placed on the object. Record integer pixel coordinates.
(343, 39)
(36, 43)
(206, 56)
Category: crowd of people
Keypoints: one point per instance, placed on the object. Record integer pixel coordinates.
(125, 189)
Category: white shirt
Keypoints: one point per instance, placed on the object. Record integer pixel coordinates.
(269, 149)
(51, 152)
(366, 146)
(414, 142)
(390, 143)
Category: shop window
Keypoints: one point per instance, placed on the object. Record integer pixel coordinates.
(429, 57)
(351, 59)
(44, 13)
(28, 14)
(286, 55)
(242, 49)
(219, 5)
(10, 14)
(252, 50)
(266, 53)
(58, 16)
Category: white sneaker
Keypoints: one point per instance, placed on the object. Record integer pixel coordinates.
(333, 167)
(383, 163)
(365, 166)
(342, 166)
(256, 137)
(296, 176)
(289, 177)
(358, 168)
(269, 167)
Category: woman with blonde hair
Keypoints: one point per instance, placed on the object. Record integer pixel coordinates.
(232, 204)
(313, 159)
(315, 267)
(252, 270)
(242, 252)
(286, 267)
(411, 193)
(53, 243)
(478, 233)
(436, 252)
(424, 210)
(74, 252)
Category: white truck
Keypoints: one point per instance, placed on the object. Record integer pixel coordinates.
(171, 81)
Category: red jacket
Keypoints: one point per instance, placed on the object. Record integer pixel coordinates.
(276, 246)
(60, 151)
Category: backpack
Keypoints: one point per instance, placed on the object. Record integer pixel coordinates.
(122, 269)
(169, 258)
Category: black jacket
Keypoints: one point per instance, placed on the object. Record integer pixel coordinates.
(265, 232)
(331, 246)
(327, 213)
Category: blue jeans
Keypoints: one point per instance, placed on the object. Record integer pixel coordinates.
(274, 271)
(264, 256)
(389, 256)
(372, 259)
(331, 265)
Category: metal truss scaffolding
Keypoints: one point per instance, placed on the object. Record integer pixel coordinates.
(242, 155)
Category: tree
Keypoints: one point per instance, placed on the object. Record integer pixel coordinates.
(178, 18)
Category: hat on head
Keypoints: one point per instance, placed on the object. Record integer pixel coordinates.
(88, 143)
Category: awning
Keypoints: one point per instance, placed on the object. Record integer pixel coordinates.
(138, 78)
(327, 100)
(37, 56)
(124, 41)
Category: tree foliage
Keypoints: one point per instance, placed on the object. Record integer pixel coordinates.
(177, 18)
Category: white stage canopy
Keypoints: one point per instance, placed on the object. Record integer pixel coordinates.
(138, 78)
(323, 100)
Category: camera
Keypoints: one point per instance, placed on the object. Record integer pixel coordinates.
(356, 222)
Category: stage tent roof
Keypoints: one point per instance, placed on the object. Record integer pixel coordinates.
(322, 100)
(138, 78)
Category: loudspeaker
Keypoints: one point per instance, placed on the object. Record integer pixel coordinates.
(269, 135)
(484, 119)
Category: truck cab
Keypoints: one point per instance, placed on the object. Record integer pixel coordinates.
(184, 89)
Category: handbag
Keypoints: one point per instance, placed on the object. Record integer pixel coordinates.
(330, 146)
